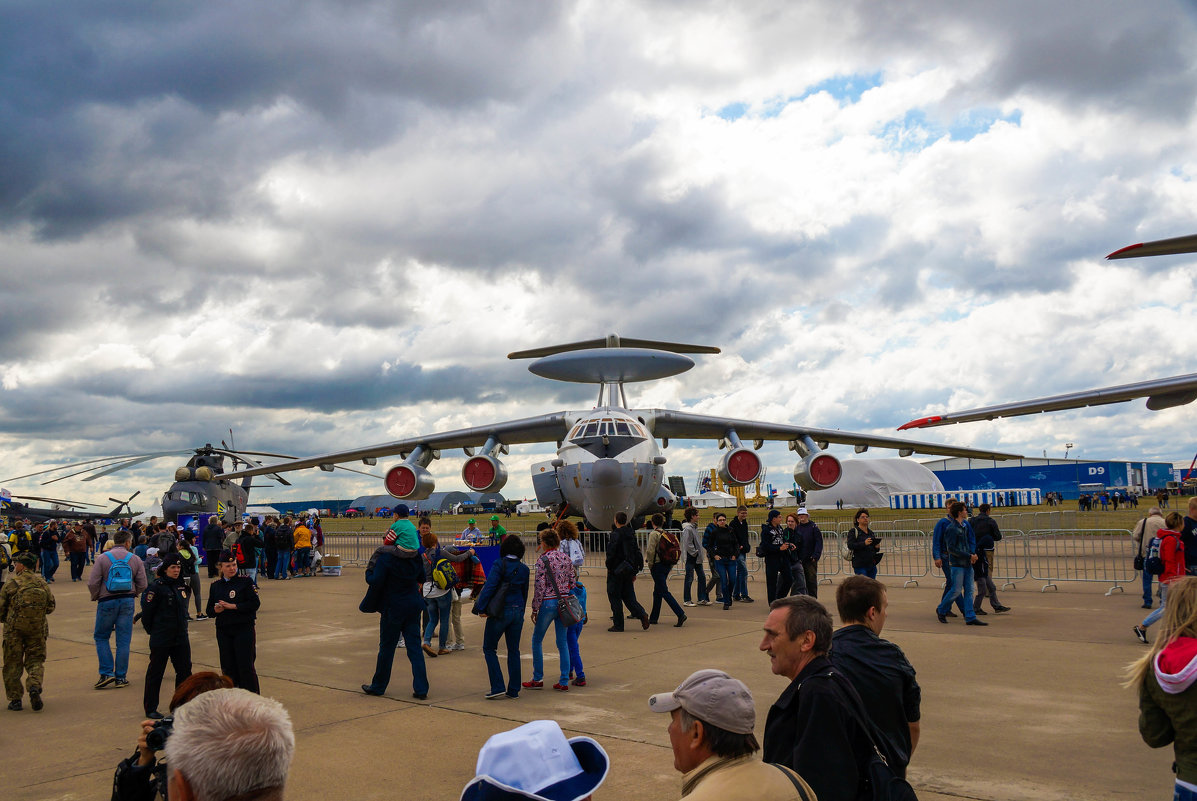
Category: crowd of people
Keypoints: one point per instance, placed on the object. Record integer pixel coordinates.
(851, 696)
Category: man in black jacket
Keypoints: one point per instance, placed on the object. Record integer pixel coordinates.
(877, 668)
(817, 725)
(394, 577)
(213, 542)
(624, 561)
(739, 527)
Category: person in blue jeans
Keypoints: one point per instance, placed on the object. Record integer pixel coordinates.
(554, 574)
(723, 549)
(509, 625)
(439, 601)
(49, 548)
(1142, 535)
(739, 527)
(577, 555)
(960, 550)
(660, 543)
(114, 597)
(694, 554)
(865, 545)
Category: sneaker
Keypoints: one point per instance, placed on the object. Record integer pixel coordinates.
(35, 701)
(688, 603)
(457, 646)
(496, 696)
(747, 600)
(704, 603)
(402, 643)
(579, 682)
(15, 706)
(428, 649)
(201, 617)
(121, 684)
(1141, 633)
(104, 682)
(533, 685)
(562, 687)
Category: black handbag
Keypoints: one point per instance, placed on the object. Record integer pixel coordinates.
(498, 601)
(885, 784)
(1142, 537)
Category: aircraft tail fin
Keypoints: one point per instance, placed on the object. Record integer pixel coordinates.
(612, 341)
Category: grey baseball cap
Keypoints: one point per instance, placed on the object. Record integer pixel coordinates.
(713, 697)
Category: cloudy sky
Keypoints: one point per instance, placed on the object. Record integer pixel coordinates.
(324, 224)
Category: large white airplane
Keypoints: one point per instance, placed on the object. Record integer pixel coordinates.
(608, 458)
(1161, 393)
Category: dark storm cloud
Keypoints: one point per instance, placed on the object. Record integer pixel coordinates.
(117, 109)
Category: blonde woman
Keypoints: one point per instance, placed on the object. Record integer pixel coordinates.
(1165, 679)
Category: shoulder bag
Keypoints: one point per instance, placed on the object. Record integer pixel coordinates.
(885, 784)
(569, 608)
(1142, 538)
(498, 601)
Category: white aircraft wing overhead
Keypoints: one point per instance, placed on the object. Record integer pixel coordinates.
(546, 428)
(1160, 247)
(1162, 393)
(684, 425)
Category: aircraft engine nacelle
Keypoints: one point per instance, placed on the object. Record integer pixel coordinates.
(484, 474)
(740, 466)
(665, 501)
(409, 482)
(818, 471)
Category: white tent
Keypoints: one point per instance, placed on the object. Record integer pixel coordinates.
(868, 483)
(712, 499)
(528, 508)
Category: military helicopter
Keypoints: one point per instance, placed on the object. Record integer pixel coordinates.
(200, 488)
(608, 458)
(69, 510)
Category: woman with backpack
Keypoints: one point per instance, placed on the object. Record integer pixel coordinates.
(164, 618)
(664, 551)
(1165, 678)
(508, 575)
(438, 586)
(554, 581)
(1165, 558)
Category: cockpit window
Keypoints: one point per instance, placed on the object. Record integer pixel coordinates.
(592, 429)
(621, 428)
(607, 427)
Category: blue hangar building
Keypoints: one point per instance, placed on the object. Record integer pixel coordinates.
(1065, 476)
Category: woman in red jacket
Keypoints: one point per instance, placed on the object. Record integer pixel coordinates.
(1172, 552)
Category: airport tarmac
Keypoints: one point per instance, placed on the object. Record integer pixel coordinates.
(1028, 708)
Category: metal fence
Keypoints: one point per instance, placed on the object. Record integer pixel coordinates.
(1049, 555)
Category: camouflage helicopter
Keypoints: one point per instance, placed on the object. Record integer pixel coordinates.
(199, 489)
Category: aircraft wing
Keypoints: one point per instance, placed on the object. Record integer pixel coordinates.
(684, 425)
(1160, 247)
(545, 428)
(1162, 393)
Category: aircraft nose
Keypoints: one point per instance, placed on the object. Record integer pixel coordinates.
(606, 473)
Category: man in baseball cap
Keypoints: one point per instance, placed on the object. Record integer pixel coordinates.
(711, 734)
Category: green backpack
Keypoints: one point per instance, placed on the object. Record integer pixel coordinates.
(28, 609)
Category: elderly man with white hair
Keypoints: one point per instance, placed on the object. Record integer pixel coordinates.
(229, 744)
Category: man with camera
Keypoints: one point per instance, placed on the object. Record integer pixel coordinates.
(222, 744)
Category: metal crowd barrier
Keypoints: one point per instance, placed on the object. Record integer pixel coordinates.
(1094, 555)
(1008, 562)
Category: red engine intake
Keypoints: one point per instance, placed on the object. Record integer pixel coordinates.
(409, 482)
(484, 474)
(818, 471)
(740, 466)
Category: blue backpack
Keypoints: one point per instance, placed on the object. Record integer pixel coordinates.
(120, 575)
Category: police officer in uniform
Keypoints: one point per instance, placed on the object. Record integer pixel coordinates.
(233, 601)
(25, 601)
(164, 617)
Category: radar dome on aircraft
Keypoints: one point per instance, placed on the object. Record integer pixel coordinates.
(183, 474)
(204, 474)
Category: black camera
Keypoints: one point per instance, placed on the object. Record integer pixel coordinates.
(155, 738)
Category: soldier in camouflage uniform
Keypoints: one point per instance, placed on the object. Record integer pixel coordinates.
(25, 600)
